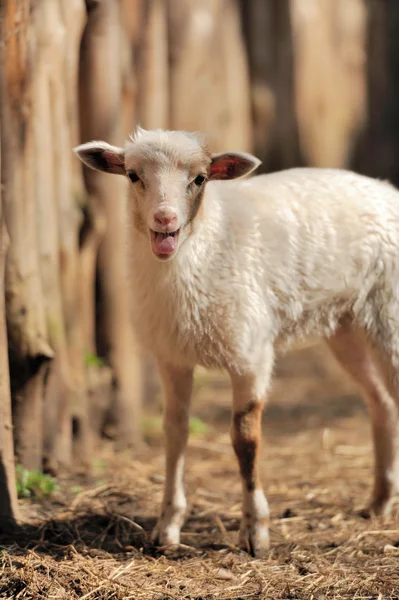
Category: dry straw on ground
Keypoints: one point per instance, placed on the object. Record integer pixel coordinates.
(93, 542)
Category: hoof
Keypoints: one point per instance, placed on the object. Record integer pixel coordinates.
(167, 530)
(166, 536)
(380, 507)
(254, 539)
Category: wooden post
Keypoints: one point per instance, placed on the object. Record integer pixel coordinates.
(8, 490)
(101, 118)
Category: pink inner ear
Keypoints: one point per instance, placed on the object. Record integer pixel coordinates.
(224, 166)
(112, 159)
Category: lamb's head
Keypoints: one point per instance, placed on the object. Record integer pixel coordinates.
(168, 172)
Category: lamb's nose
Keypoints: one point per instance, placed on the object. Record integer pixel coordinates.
(165, 218)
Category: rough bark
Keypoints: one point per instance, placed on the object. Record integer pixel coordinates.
(69, 190)
(330, 83)
(377, 150)
(207, 62)
(48, 105)
(133, 30)
(27, 332)
(153, 99)
(100, 116)
(8, 490)
(268, 34)
(237, 124)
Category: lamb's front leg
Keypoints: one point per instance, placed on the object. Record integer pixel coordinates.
(248, 393)
(177, 386)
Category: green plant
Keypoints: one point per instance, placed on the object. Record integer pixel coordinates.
(92, 360)
(197, 425)
(34, 484)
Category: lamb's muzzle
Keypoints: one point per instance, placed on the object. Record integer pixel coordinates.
(248, 266)
(164, 244)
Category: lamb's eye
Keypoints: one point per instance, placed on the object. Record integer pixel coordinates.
(199, 180)
(134, 178)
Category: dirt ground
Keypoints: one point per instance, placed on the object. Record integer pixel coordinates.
(91, 539)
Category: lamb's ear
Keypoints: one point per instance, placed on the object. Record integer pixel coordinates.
(102, 157)
(230, 165)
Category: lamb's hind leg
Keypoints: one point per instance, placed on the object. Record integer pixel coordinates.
(374, 375)
(248, 395)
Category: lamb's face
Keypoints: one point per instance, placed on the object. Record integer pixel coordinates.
(167, 172)
(167, 182)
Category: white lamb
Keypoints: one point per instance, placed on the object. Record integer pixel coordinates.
(224, 272)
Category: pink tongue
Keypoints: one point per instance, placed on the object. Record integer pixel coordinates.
(164, 244)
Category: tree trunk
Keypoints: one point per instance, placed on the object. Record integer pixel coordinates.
(8, 490)
(330, 83)
(48, 124)
(27, 332)
(153, 99)
(133, 30)
(100, 119)
(378, 147)
(69, 190)
(268, 33)
(237, 132)
(207, 61)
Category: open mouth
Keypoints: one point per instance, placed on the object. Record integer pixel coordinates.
(164, 244)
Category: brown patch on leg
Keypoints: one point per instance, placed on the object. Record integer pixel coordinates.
(246, 433)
